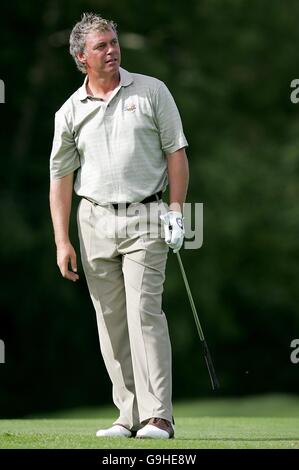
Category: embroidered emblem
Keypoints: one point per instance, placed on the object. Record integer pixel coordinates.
(179, 222)
(130, 106)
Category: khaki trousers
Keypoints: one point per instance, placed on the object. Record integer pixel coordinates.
(125, 271)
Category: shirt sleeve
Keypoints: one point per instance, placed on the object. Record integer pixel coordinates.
(168, 121)
(64, 157)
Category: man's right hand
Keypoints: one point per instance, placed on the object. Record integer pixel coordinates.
(66, 255)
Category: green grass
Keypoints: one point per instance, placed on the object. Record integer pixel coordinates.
(267, 422)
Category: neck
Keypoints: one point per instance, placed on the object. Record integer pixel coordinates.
(100, 86)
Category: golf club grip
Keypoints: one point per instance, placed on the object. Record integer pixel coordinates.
(209, 362)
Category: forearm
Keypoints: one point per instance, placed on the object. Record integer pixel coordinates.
(178, 179)
(60, 204)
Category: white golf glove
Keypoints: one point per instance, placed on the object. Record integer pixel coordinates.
(174, 229)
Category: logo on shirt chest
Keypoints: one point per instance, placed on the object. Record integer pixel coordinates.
(130, 106)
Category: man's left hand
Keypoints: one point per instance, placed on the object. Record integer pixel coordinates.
(174, 229)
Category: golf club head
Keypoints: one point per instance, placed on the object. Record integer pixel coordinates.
(210, 366)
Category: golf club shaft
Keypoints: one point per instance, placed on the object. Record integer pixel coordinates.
(199, 329)
(207, 355)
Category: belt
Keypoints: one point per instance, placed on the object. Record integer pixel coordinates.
(152, 198)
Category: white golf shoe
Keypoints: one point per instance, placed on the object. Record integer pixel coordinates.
(156, 428)
(115, 431)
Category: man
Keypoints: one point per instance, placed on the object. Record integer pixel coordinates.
(123, 135)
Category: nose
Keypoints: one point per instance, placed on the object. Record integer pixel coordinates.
(112, 47)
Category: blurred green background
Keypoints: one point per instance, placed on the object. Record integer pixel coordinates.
(229, 64)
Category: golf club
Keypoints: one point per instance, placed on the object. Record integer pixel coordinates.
(207, 355)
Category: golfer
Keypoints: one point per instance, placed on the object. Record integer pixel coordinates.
(121, 133)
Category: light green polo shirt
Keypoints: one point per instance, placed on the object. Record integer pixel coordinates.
(118, 146)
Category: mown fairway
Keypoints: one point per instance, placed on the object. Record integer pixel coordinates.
(258, 422)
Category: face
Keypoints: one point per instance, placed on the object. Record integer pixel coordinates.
(102, 53)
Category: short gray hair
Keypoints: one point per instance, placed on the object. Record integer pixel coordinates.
(89, 22)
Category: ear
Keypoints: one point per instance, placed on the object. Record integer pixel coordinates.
(81, 57)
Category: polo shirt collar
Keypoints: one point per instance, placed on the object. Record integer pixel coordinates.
(82, 90)
(126, 77)
(125, 80)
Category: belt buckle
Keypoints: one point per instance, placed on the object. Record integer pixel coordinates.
(121, 205)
